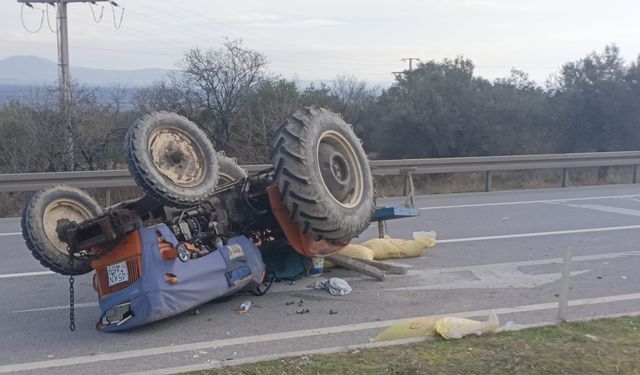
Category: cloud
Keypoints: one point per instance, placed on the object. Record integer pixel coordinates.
(284, 23)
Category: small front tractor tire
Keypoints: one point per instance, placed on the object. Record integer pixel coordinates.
(40, 219)
(228, 170)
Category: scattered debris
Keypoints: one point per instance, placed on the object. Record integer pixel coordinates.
(448, 328)
(593, 338)
(290, 303)
(511, 326)
(416, 327)
(316, 268)
(302, 311)
(244, 308)
(456, 328)
(335, 286)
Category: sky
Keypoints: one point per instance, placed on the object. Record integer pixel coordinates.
(317, 40)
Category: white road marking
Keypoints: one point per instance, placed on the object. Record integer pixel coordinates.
(270, 357)
(63, 307)
(529, 202)
(537, 262)
(332, 350)
(614, 210)
(451, 240)
(496, 276)
(161, 350)
(11, 234)
(486, 205)
(538, 234)
(25, 274)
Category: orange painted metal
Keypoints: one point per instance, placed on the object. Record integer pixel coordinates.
(127, 249)
(302, 243)
(167, 251)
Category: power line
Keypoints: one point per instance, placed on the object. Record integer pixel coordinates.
(24, 26)
(64, 76)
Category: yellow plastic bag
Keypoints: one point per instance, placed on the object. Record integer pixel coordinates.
(455, 328)
(416, 327)
(391, 248)
(357, 251)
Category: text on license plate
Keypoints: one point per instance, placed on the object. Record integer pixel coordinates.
(117, 273)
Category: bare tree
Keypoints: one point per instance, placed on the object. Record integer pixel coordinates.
(262, 112)
(354, 97)
(218, 79)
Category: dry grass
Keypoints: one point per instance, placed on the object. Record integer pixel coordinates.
(605, 346)
(443, 183)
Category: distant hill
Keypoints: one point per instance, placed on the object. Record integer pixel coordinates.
(32, 70)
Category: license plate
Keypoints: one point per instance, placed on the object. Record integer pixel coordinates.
(118, 273)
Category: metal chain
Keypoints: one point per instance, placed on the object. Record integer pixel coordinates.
(72, 319)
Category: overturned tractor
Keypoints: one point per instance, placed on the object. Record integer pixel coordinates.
(196, 234)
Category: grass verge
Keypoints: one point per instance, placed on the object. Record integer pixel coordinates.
(603, 346)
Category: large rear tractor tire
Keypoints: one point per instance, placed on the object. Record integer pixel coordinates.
(323, 174)
(171, 159)
(40, 219)
(228, 170)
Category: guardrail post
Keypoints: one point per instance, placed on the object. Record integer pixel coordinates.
(487, 181)
(635, 174)
(565, 177)
(563, 304)
(408, 190)
(107, 197)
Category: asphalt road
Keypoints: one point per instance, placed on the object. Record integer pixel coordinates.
(498, 251)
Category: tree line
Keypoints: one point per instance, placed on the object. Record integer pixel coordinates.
(439, 109)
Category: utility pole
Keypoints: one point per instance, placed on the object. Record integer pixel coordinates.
(410, 59)
(64, 77)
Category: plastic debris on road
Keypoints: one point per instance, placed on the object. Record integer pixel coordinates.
(357, 251)
(455, 328)
(511, 326)
(336, 286)
(448, 328)
(389, 248)
(416, 327)
(394, 248)
(244, 308)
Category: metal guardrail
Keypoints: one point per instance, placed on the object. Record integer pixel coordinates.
(408, 167)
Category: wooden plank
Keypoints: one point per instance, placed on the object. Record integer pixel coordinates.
(396, 269)
(357, 265)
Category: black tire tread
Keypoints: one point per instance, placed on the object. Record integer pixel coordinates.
(35, 238)
(149, 181)
(298, 179)
(228, 166)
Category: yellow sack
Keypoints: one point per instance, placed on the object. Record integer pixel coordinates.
(391, 248)
(455, 328)
(357, 251)
(416, 327)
